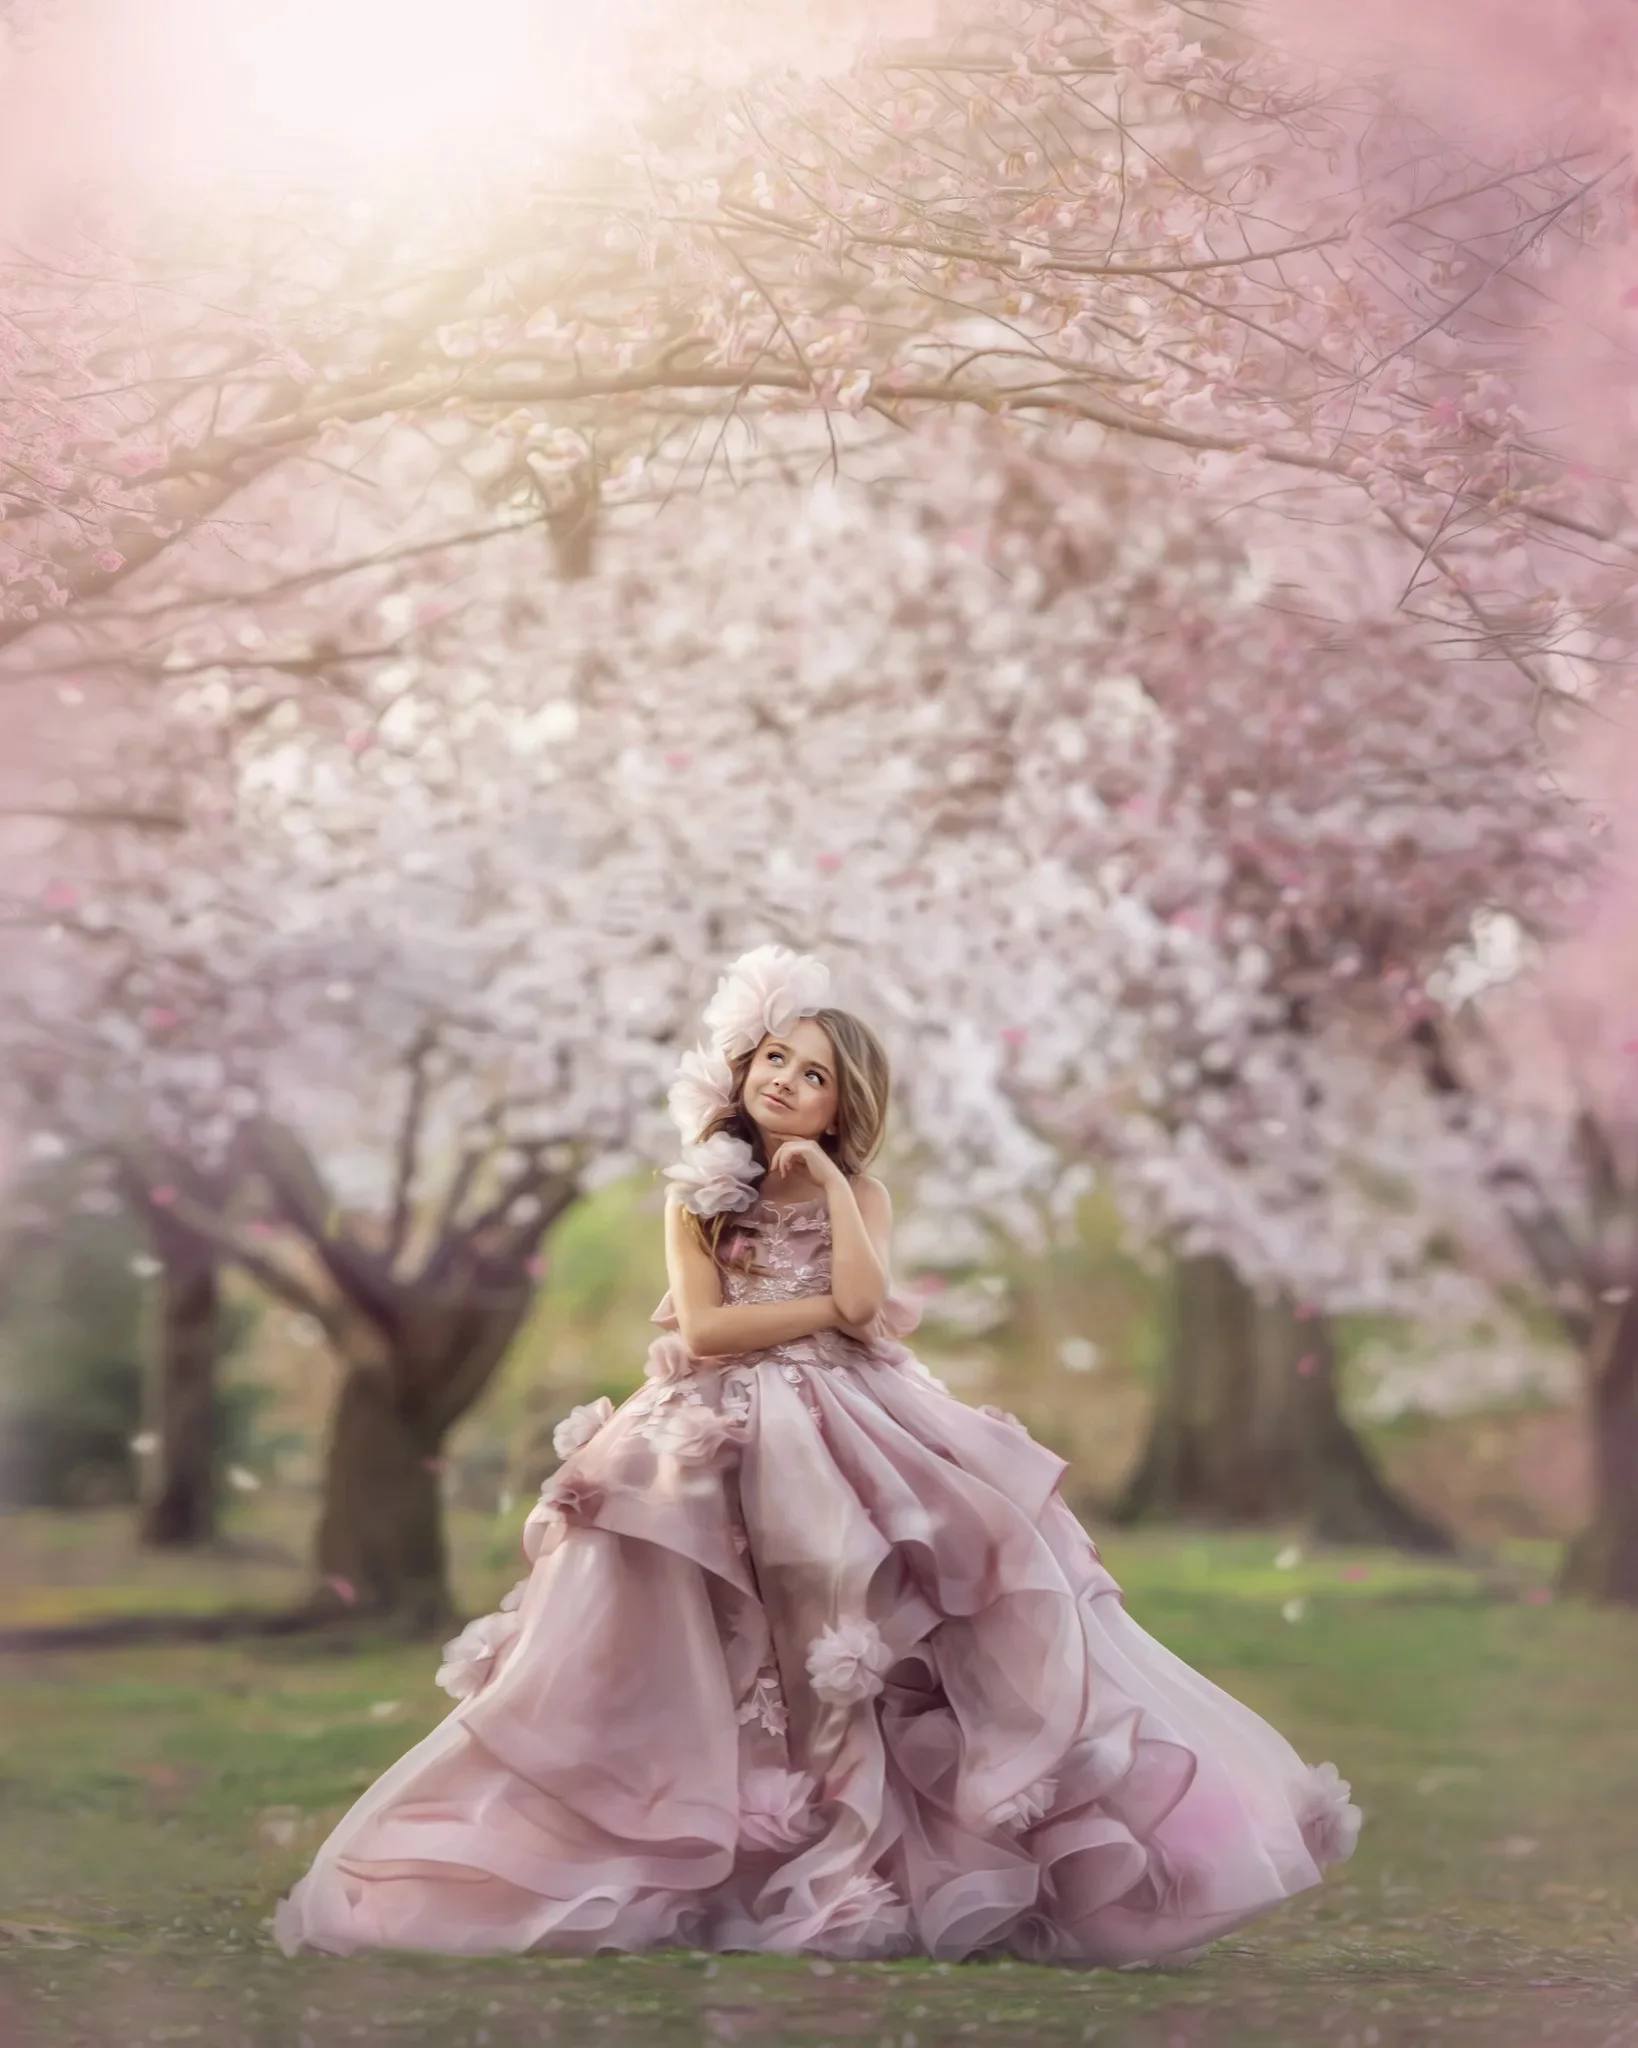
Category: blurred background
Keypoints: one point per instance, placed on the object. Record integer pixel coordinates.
(1112, 524)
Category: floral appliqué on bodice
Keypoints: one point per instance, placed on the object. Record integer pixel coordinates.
(780, 1251)
(786, 1252)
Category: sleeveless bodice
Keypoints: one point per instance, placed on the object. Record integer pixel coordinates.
(789, 1252)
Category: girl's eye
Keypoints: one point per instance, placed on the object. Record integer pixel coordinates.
(818, 1080)
(772, 1057)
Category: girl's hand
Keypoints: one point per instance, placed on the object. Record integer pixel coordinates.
(796, 1152)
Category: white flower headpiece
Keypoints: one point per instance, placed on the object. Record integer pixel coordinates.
(762, 993)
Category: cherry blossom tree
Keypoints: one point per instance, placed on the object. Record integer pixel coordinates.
(1148, 856)
(1255, 833)
(1535, 1077)
(1225, 845)
(1153, 219)
(1194, 854)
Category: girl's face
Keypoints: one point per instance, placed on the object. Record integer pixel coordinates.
(790, 1090)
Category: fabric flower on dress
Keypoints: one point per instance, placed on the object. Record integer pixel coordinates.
(846, 1664)
(669, 1359)
(776, 1807)
(703, 1088)
(1025, 1808)
(574, 1498)
(566, 1500)
(865, 1918)
(693, 1433)
(1330, 1823)
(470, 1656)
(764, 992)
(716, 1178)
(765, 1703)
(580, 1425)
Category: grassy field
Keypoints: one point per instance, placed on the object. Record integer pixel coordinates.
(154, 1803)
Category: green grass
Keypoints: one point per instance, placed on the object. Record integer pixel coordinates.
(154, 1803)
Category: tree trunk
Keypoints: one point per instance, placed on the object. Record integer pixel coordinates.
(1248, 1429)
(381, 1532)
(179, 1511)
(1602, 1562)
(381, 1548)
(417, 1348)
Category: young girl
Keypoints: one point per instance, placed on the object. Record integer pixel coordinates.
(812, 1656)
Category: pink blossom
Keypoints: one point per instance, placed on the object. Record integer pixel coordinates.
(110, 559)
(343, 1588)
(162, 1197)
(846, 1663)
(1308, 1366)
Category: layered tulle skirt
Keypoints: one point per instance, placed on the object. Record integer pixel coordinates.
(813, 1657)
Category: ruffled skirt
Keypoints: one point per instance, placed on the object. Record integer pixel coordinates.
(812, 1657)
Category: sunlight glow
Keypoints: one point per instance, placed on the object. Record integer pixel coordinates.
(385, 87)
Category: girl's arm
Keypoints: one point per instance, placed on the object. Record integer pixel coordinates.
(713, 1328)
(861, 1237)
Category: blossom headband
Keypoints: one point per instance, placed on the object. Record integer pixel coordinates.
(762, 993)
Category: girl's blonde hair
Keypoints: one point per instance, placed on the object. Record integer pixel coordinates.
(863, 1085)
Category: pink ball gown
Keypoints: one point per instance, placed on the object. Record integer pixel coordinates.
(812, 1657)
